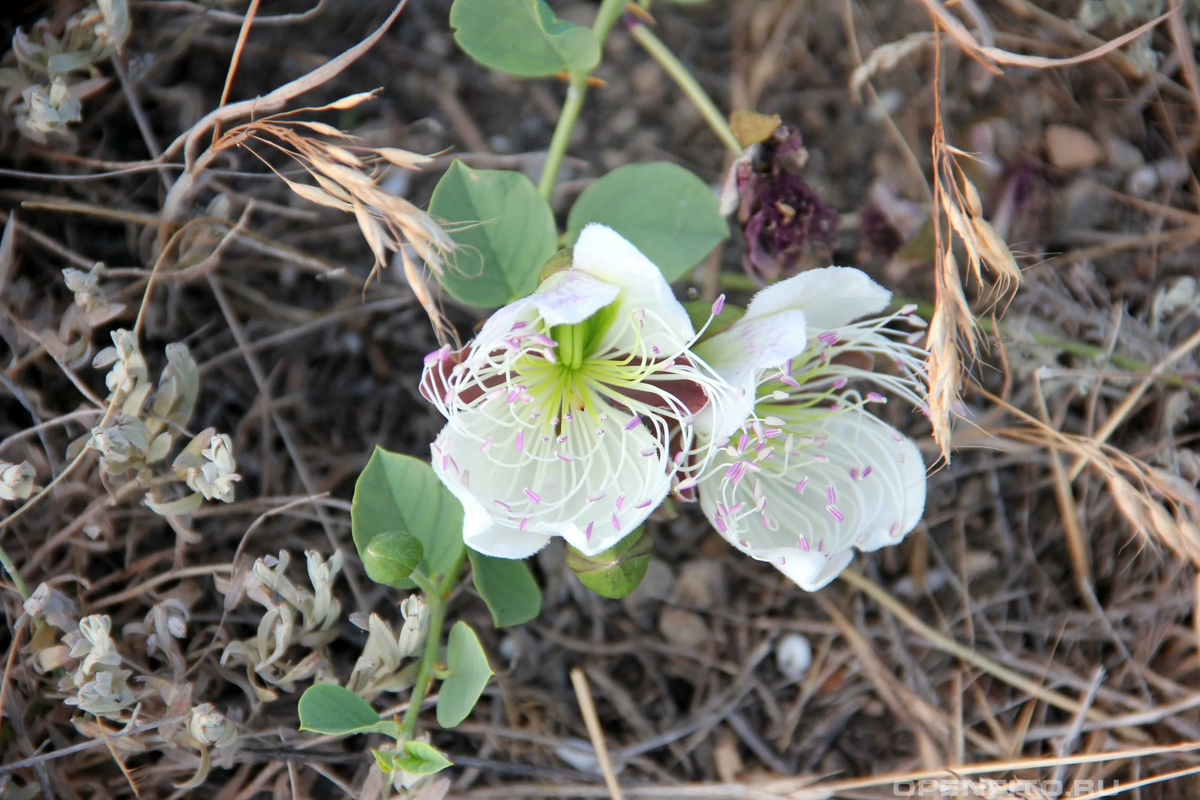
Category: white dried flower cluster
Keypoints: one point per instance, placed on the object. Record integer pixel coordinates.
(129, 370)
(210, 727)
(49, 111)
(378, 668)
(54, 72)
(102, 687)
(294, 616)
(165, 622)
(16, 480)
(90, 300)
(215, 475)
(137, 439)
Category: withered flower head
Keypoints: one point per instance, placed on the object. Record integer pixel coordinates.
(780, 214)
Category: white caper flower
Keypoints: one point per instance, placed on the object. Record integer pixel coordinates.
(16, 480)
(215, 478)
(210, 727)
(50, 110)
(128, 365)
(416, 625)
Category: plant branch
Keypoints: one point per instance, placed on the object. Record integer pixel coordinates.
(688, 84)
(14, 573)
(437, 596)
(606, 17)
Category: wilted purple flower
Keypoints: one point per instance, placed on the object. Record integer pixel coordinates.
(780, 214)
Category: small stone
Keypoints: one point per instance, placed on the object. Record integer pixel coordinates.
(1071, 149)
(684, 629)
(793, 656)
(1142, 181)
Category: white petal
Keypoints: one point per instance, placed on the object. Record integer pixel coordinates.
(829, 297)
(661, 320)
(740, 354)
(481, 531)
(827, 478)
(521, 482)
(571, 296)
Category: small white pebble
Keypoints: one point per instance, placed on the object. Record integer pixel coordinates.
(793, 656)
(1142, 181)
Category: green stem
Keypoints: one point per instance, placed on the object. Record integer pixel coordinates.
(562, 135)
(606, 17)
(436, 596)
(14, 573)
(684, 80)
(429, 659)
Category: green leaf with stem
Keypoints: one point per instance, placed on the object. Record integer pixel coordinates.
(505, 230)
(336, 711)
(522, 37)
(508, 588)
(666, 211)
(469, 674)
(399, 494)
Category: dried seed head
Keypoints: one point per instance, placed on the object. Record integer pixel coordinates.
(16, 480)
(210, 727)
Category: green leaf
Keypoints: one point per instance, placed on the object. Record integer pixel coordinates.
(508, 588)
(334, 711)
(391, 557)
(469, 673)
(506, 230)
(396, 493)
(618, 570)
(667, 212)
(421, 759)
(522, 37)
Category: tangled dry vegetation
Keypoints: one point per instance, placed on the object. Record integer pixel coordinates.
(202, 345)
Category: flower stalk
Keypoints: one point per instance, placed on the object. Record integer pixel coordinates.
(436, 596)
(686, 83)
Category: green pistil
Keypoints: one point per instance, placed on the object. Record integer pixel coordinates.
(580, 341)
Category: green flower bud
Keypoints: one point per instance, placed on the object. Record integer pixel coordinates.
(390, 558)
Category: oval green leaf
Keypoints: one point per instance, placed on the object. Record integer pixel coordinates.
(421, 758)
(390, 558)
(666, 211)
(335, 711)
(399, 494)
(508, 588)
(505, 228)
(469, 673)
(522, 37)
